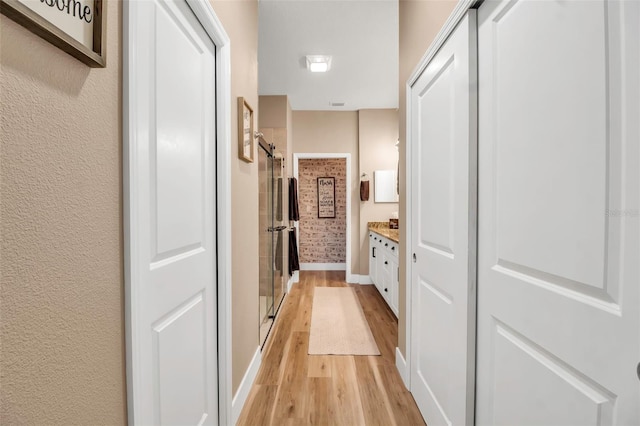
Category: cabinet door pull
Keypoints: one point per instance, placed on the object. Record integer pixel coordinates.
(373, 251)
(386, 289)
(393, 248)
(386, 244)
(386, 263)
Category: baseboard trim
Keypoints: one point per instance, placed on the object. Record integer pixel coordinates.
(401, 365)
(359, 279)
(290, 283)
(242, 394)
(323, 266)
(350, 278)
(365, 280)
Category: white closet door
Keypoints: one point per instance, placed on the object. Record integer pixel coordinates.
(444, 141)
(559, 258)
(171, 217)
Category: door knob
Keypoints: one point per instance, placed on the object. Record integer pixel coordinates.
(415, 259)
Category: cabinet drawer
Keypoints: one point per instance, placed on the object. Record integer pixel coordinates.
(393, 249)
(386, 262)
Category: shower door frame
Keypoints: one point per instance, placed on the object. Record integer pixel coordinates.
(275, 305)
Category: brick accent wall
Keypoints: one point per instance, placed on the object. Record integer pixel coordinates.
(322, 240)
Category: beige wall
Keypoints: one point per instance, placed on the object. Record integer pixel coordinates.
(275, 121)
(378, 134)
(240, 20)
(420, 22)
(273, 111)
(333, 132)
(62, 327)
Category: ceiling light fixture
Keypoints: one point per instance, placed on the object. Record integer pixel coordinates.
(318, 63)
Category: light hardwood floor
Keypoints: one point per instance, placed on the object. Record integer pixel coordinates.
(294, 388)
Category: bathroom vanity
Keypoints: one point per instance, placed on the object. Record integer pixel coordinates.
(383, 262)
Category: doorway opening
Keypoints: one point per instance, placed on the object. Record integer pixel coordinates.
(324, 242)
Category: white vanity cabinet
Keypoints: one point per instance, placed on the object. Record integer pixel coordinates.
(383, 268)
(374, 252)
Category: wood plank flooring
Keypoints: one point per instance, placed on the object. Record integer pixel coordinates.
(294, 388)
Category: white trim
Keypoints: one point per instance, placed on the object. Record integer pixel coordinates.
(408, 248)
(296, 276)
(323, 266)
(365, 279)
(242, 394)
(205, 14)
(290, 284)
(455, 17)
(401, 365)
(299, 156)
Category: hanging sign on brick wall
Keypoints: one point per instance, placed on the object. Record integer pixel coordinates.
(326, 197)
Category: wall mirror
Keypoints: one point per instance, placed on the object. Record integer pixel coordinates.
(384, 182)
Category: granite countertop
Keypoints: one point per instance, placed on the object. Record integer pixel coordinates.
(382, 228)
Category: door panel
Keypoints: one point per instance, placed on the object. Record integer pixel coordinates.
(178, 147)
(181, 396)
(443, 134)
(436, 186)
(172, 217)
(558, 322)
(577, 400)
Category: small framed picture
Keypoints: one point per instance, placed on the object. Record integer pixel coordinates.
(326, 198)
(245, 130)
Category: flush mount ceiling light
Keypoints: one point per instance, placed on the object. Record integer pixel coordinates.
(318, 63)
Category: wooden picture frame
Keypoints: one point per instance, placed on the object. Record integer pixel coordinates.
(75, 17)
(326, 198)
(245, 131)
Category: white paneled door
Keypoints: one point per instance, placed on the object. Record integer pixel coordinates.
(171, 217)
(443, 114)
(559, 258)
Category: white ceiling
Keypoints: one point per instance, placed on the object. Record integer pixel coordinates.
(360, 35)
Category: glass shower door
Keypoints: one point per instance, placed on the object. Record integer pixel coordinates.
(273, 254)
(266, 276)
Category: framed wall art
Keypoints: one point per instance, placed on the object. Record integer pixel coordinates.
(245, 130)
(77, 27)
(326, 197)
